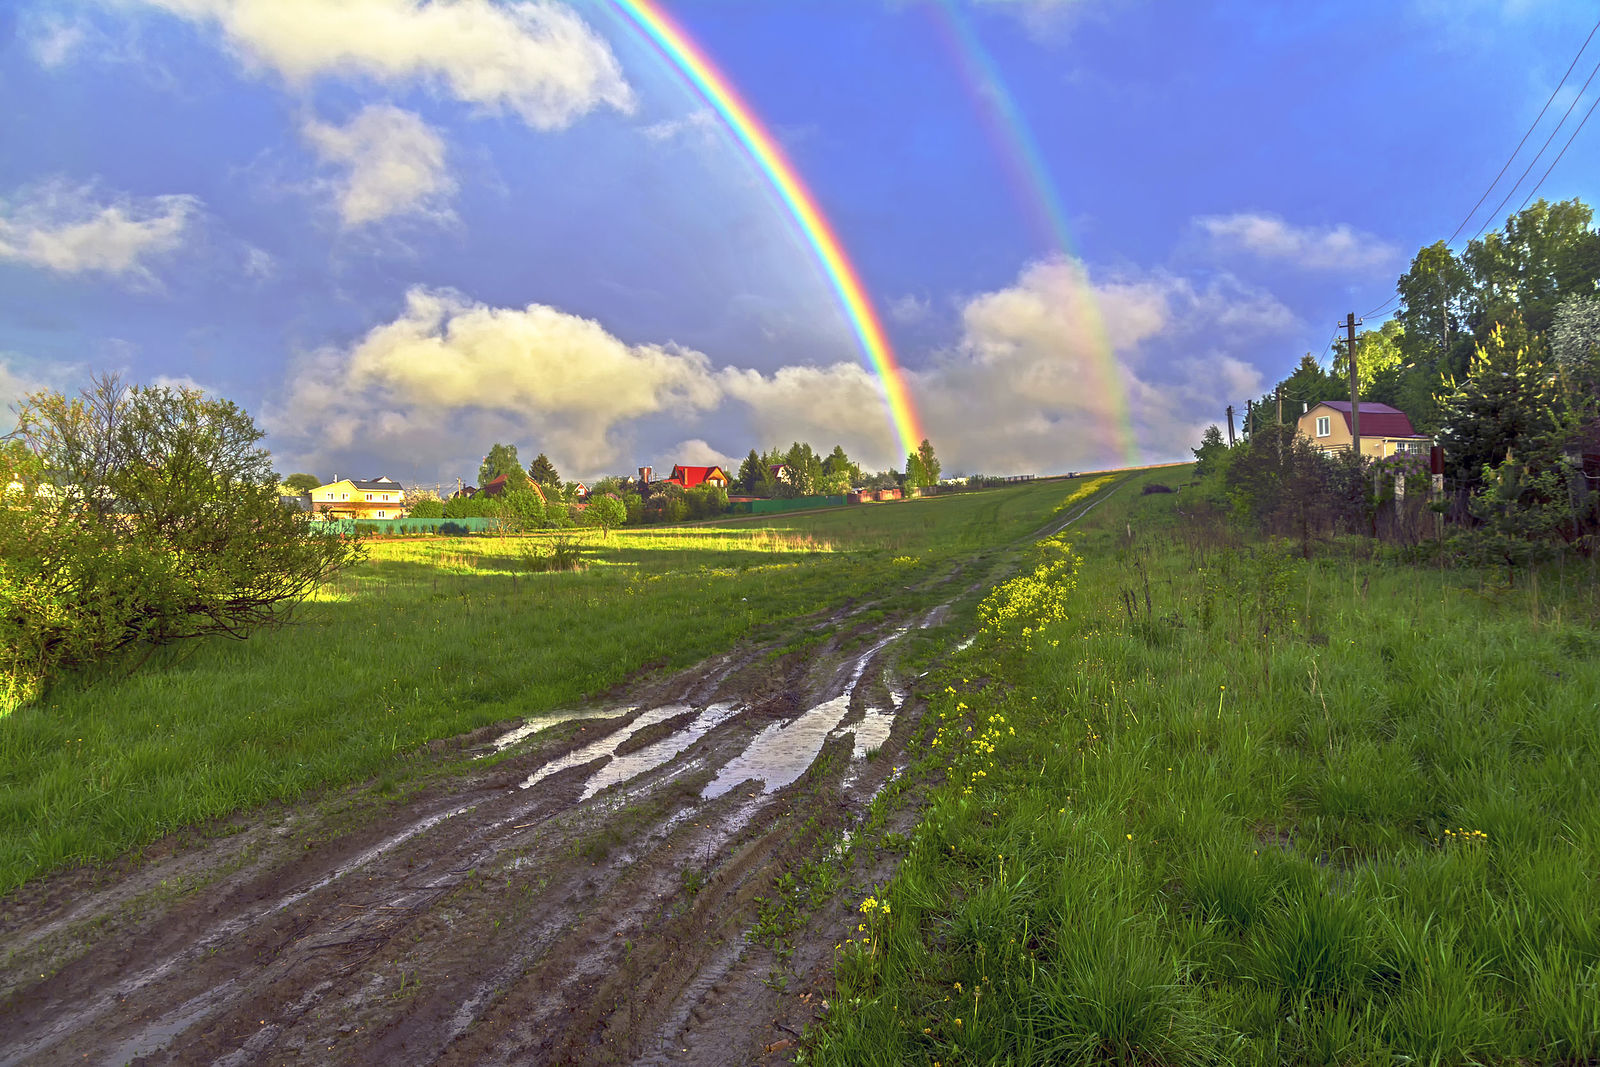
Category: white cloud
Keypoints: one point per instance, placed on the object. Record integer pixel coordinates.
(1044, 18)
(535, 58)
(1049, 372)
(73, 229)
(393, 163)
(697, 123)
(532, 370)
(55, 40)
(909, 309)
(1317, 248)
(697, 453)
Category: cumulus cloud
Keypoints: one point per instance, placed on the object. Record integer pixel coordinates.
(535, 59)
(73, 229)
(393, 164)
(535, 370)
(1317, 248)
(1049, 372)
(909, 309)
(697, 453)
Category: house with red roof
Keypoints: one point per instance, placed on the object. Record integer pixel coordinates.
(689, 477)
(1385, 431)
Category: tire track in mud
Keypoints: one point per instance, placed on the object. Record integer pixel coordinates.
(569, 898)
(388, 942)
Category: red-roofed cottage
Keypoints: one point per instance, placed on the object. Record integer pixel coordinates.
(689, 477)
(1385, 431)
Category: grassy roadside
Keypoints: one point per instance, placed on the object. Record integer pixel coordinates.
(1241, 808)
(435, 638)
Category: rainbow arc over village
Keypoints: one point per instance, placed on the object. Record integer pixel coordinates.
(709, 82)
(1014, 142)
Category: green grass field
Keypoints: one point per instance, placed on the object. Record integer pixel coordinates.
(1240, 808)
(431, 639)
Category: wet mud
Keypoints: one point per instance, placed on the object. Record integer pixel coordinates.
(577, 889)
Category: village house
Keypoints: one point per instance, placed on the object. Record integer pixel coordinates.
(1385, 431)
(352, 498)
(690, 477)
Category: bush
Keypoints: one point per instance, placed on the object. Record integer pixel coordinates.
(143, 516)
(428, 509)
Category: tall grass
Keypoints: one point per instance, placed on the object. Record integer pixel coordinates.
(429, 639)
(1255, 810)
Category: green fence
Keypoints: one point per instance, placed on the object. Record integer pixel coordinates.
(409, 527)
(798, 503)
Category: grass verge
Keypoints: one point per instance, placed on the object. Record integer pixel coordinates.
(1243, 808)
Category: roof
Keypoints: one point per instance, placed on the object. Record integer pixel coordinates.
(494, 486)
(689, 477)
(1377, 420)
(381, 484)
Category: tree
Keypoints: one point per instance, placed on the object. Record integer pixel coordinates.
(502, 459)
(146, 516)
(1545, 253)
(302, 483)
(1212, 454)
(428, 508)
(543, 471)
(751, 473)
(930, 464)
(1508, 403)
(605, 510)
(805, 470)
(1575, 337)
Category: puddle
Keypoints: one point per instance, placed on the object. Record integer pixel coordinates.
(781, 753)
(871, 732)
(651, 756)
(544, 722)
(964, 645)
(605, 746)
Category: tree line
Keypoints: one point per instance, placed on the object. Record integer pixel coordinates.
(1495, 352)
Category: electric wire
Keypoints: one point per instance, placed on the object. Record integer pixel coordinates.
(1532, 162)
(1559, 154)
(1531, 127)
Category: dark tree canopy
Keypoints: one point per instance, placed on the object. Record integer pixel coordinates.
(302, 483)
(543, 471)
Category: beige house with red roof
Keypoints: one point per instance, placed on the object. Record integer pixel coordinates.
(1385, 431)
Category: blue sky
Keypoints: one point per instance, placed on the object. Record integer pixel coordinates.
(399, 232)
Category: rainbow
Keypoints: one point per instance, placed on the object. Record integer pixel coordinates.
(1014, 142)
(682, 52)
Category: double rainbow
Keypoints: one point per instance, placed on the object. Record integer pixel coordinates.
(1015, 143)
(709, 83)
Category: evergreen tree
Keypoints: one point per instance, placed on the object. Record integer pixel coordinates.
(1507, 405)
(751, 472)
(543, 471)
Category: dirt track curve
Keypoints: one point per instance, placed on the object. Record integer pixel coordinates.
(577, 890)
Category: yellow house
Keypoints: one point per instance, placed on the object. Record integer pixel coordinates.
(352, 498)
(1385, 431)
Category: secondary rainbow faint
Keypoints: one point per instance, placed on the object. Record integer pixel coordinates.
(1013, 140)
(684, 54)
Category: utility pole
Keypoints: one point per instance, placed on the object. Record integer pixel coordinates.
(1355, 389)
(1279, 392)
(1230, 425)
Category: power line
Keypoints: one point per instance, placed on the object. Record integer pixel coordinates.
(1532, 126)
(1383, 307)
(1513, 190)
(1559, 154)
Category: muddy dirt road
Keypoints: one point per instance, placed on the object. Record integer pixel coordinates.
(578, 889)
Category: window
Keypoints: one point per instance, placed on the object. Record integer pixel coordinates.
(382, 515)
(1322, 426)
(369, 496)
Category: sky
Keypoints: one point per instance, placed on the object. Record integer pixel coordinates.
(398, 232)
